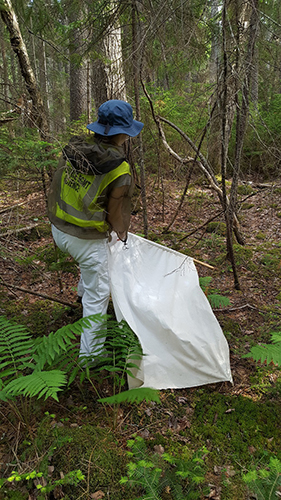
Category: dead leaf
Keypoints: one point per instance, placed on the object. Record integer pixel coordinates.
(98, 495)
(214, 493)
(252, 449)
(58, 493)
(181, 400)
(144, 434)
(184, 423)
(230, 472)
(158, 448)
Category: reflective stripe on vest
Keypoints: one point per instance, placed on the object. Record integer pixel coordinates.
(79, 204)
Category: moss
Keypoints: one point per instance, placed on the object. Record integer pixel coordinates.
(92, 449)
(232, 425)
(217, 227)
(40, 317)
(247, 206)
(261, 236)
(243, 255)
(34, 234)
(271, 260)
(245, 189)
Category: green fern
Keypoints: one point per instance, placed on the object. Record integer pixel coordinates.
(27, 365)
(267, 352)
(16, 351)
(265, 482)
(118, 353)
(216, 300)
(133, 396)
(40, 384)
(41, 367)
(153, 474)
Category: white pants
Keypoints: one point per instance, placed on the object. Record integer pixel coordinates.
(92, 257)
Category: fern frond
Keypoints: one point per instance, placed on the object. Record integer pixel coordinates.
(133, 396)
(217, 300)
(266, 353)
(51, 349)
(38, 384)
(276, 337)
(16, 347)
(204, 281)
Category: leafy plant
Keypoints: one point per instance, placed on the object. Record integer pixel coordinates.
(267, 352)
(27, 364)
(133, 396)
(41, 367)
(118, 353)
(154, 474)
(118, 356)
(42, 485)
(216, 300)
(265, 482)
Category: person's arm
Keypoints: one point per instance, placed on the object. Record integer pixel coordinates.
(119, 210)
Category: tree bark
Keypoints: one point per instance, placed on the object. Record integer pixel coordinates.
(136, 78)
(10, 20)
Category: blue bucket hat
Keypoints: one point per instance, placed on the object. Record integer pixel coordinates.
(116, 117)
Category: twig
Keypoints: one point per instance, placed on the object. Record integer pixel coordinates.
(48, 297)
(16, 231)
(244, 306)
(202, 225)
(11, 207)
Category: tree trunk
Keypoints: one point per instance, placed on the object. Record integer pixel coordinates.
(136, 78)
(78, 70)
(108, 72)
(4, 70)
(10, 20)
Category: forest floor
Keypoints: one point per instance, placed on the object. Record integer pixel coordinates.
(238, 425)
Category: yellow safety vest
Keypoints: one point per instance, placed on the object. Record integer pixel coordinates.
(80, 197)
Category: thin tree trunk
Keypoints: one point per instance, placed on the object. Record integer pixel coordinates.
(136, 70)
(5, 69)
(228, 208)
(9, 18)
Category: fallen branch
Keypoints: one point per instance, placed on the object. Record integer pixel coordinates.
(16, 231)
(47, 297)
(11, 207)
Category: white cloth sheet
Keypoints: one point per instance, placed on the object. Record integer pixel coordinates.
(156, 290)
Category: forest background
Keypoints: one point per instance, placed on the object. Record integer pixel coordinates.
(204, 77)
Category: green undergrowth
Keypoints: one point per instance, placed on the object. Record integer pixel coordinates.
(239, 435)
(91, 448)
(234, 425)
(40, 316)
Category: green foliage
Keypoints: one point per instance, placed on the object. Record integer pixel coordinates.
(133, 396)
(71, 478)
(265, 482)
(117, 355)
(41, 367)
(153, 474)
(233, 424)
(27, 364)
(216, 300)
(26, 152)
(269, 353)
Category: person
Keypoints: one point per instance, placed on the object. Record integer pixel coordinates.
(89, 199)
